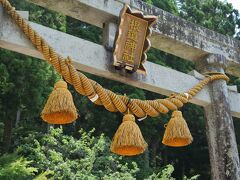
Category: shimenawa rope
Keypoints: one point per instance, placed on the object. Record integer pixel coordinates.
(95, 92)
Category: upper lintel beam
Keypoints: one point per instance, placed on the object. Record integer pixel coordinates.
(171, 33)
(94, 59)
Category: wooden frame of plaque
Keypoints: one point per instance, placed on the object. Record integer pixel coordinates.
(132, 41)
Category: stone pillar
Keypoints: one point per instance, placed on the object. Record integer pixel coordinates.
(109, 33)
(224, 158)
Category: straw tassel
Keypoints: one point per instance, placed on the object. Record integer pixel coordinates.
(177, 133)
(60, 108)
(128, 140)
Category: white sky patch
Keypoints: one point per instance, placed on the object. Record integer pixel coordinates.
(235, 3)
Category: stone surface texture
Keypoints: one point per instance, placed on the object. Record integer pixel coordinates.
(94, 58)
(223, 151)
(171, 34)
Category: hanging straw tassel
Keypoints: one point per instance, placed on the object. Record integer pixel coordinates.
(60, 108)
(177, 133)
(128, 140)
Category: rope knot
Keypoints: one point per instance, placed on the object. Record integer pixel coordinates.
(12, 9)
(173, 95)
(107, 98)
(129, 117)
(60, 84)
(68, 60)
(177, 114)
(186, 95)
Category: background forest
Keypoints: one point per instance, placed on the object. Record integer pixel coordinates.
(30, 148)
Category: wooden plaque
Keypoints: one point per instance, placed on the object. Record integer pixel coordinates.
(132, 40)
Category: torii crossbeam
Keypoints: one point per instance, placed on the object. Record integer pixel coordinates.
(211, 51)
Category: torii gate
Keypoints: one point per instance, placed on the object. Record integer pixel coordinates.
(211, 52)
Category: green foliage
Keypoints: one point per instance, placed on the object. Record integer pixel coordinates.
(70, 158)
(15, 167)
(26, 82)
(45, 175)
(167, 5)
(164, 174)
(192, 178)
(41, 15)
(84, 30)
(60, 156)
(213, 14)
(24, 77)
(5, 85)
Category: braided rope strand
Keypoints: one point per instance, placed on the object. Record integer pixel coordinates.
(87, 87)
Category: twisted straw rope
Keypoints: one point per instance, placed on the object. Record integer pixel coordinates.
(87, 87)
